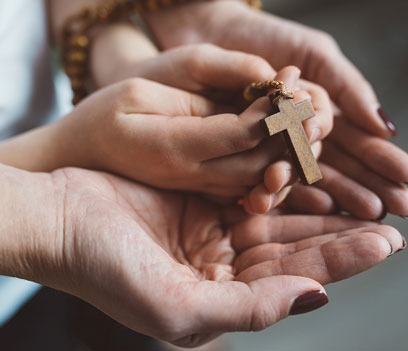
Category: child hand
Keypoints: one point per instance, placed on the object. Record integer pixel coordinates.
(173, 139)
(280, 175)
(201, 68)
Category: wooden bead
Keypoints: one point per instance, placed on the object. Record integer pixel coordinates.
(152, 5)
(80, 41)
(77, 56)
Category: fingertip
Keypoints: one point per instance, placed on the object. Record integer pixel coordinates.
(284, 295)
(258, 201)
(278, 175)
(289, 75)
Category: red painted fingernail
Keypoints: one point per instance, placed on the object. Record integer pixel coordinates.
(308, 302)
(387, 120)
(404, 245)
(383, 213)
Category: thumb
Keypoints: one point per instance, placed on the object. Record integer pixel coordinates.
(235, 306)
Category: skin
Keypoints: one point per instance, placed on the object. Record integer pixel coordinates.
(170, 264)
(164, 136)
(363, 175)
(231, 24)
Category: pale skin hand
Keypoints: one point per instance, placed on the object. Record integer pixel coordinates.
(233, 25)
(172, 265)
(161, 136)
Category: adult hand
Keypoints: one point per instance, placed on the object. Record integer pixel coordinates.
(362, 175)
(233, 25)
(172, 265)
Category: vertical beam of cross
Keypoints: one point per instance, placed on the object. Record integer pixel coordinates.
(289, 121)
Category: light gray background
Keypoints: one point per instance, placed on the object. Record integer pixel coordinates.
(370, 311)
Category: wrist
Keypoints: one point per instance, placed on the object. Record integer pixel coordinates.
(114, 52)
(31, 218)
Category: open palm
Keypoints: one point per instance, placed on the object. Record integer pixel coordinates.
(180, 268)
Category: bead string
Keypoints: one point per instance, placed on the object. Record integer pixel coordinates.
(258, 89)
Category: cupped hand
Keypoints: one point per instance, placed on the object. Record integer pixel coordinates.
(362, 175)
(233, 25)
(177, 267)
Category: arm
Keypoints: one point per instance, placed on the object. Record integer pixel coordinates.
(114, 47)
(30, 219)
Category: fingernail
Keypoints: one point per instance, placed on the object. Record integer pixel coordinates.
(387, 121)
(383, 214)
(315, 135)
(391, 251)
(308, 302)
(404, 245)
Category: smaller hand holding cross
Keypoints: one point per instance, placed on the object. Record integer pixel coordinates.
(288, 119)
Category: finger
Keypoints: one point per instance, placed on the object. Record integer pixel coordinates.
(394, 196)
(212, 66)
(311, 200)
(235, 306)
(350, 195)
(346, 86)
(257, 230)
(259, 200)
(265, 153)
(321, 124)
(244, 168)
(141, 96)
(198, 67)
(273, 251)
(330, 262)
(196, 138)
(379, 155)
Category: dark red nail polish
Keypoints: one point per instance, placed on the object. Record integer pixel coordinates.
(383, 213)
(309, 301)
(404, 245)
(390, 125)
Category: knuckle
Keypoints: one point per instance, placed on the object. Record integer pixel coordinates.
(244, 142)
(132, 88)
(323, 45)
(325, 39)
(197, 62)
(260, 320)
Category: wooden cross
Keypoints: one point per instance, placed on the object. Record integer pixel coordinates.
(289, 120)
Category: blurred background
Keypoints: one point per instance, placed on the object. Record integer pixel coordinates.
(369, 311)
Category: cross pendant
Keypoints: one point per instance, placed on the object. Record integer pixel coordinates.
(289, 121)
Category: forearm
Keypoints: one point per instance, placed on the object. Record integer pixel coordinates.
(44, 149)
(29, 219)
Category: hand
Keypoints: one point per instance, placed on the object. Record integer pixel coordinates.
(233, 25)
(179, 268)
(280, 175)
(173, 139)
(362, 175)
(203, 69)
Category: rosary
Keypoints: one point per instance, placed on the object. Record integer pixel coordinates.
(288, 118)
